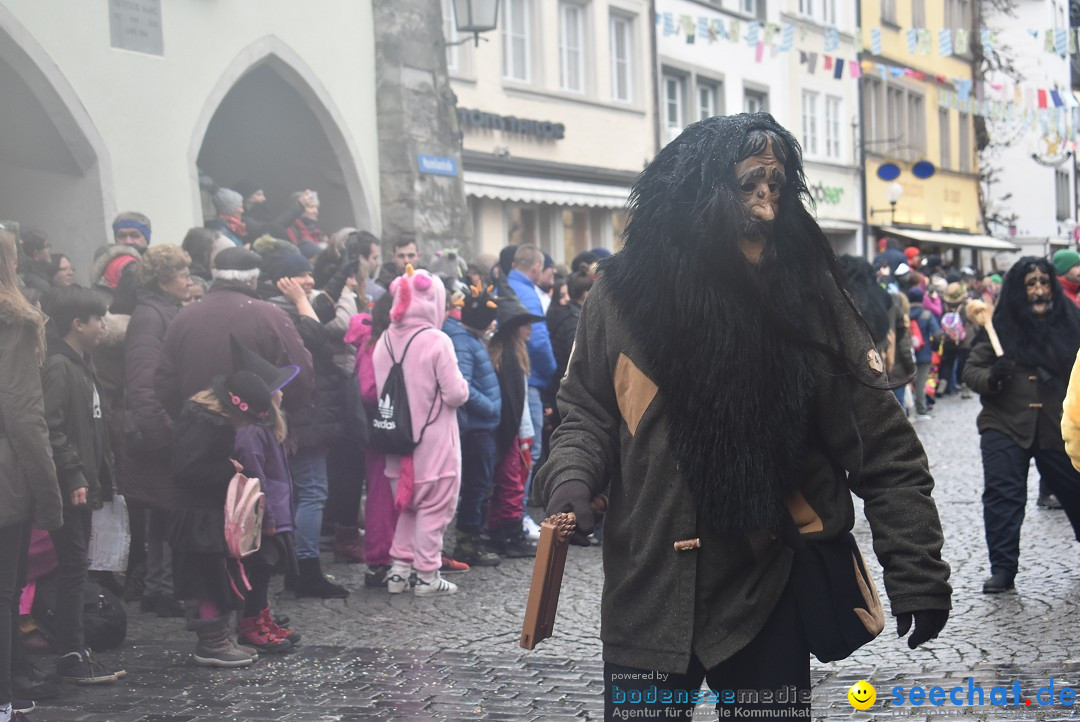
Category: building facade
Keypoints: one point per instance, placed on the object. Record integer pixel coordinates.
(557, 118)
(1030, 194)
(732, 56)
(116, 105)
(907, 87)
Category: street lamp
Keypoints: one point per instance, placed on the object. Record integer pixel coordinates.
(892, 194)
(475, 16)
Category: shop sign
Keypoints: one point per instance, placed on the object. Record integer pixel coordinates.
(136, 25)
(480, 120)
(437, 165)
(829, 195)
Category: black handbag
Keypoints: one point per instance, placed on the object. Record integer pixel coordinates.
(839, 607)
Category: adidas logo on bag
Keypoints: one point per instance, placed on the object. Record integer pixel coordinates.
(386, 411)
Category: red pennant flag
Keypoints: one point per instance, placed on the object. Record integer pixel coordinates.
(828, 62)
(1042, 98)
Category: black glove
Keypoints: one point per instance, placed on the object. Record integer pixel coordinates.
(928, 625)
(1000, 372)
(574, 496)
(337, 282)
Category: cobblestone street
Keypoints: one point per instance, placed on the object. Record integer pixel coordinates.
(376, 656)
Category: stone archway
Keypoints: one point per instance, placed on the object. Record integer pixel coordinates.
(270, 121)
(55, 172)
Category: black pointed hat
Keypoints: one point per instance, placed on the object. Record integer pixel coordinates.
(244, 359)
(511, 312)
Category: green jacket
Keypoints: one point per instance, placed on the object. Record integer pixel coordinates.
(77, 427)
(660, 605)
(1024, 408)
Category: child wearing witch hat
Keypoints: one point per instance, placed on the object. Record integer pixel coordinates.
(204, 575)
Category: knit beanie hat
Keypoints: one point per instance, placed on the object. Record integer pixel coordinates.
(911, 252)
(228, 202)
(1064, 260)
(285, 264)
(915, 295)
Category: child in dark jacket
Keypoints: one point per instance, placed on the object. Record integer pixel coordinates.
(514, 434)
(205, 577)
(477, 419)
(84, 465)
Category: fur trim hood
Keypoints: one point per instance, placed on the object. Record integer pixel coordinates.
(107, 256)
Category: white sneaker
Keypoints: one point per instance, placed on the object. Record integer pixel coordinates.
(531, 528)
(396, 583)
(923, 417)
(435, 587)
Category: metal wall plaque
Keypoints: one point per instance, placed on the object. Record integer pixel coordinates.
(136, 25)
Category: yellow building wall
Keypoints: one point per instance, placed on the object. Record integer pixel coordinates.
(949, 199)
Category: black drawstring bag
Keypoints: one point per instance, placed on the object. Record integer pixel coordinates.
(839, 608)
(391, 422)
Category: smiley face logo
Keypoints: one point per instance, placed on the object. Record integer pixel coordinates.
(862, 695)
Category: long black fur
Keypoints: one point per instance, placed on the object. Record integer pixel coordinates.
(728, 344)
(1052, 342)
(872, 300)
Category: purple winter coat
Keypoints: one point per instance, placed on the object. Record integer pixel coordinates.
(263, 458)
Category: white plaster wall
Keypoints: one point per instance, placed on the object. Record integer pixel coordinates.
(1031, 184)
(150, 110)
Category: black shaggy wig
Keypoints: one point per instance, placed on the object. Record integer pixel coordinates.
(1051, 343)
(730, 344)
(872, 300)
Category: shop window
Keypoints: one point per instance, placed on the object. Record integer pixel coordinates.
(965, 143)
(707, 94)
(517, 41)
(833, 126)
(945, 135)
(572, 47)
(622, 64)
(1061, 186)
(810, 122)
(755, 101)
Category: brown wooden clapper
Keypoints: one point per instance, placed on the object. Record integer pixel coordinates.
(555, 533)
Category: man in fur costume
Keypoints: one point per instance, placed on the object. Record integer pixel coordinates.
(1022, 394)
(726, 391)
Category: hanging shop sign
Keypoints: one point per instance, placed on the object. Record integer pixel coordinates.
(478, 119)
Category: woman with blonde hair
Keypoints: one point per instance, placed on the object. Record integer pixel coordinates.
(29, 491)
(164, 284)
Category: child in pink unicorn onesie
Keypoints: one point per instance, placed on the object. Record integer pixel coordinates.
(429, 480)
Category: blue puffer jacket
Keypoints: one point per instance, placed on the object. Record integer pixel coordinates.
(541, 355)
(482, 409)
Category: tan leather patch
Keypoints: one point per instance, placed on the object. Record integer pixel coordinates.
(873, 360)
(873, 616)
(634, 391)
(804, 516)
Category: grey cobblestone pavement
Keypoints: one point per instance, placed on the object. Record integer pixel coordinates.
(376, 656)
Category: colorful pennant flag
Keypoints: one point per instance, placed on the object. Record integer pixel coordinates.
(832, 40)
(839, 72)
(945, 42)
(828, 62)
(912, 40)
(753, 33)
(787, 41)
(961, 42)
(875, 41)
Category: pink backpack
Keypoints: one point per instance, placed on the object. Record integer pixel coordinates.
(244, 507)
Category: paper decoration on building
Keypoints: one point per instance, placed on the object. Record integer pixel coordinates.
(1061, 41)
(961, 42)
(759, 53)
(828, 62)
(854, 70)
(689, 28)
(875, 41)
(735, 32)
(704, 31)
(832, 40)
(924, 42)
(808, 59)
(753, 33)
(963, 87)
(912, 40)
(838, 73)
(1056, 97)
(787, 41)
(1048, 41)
(944, 42)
